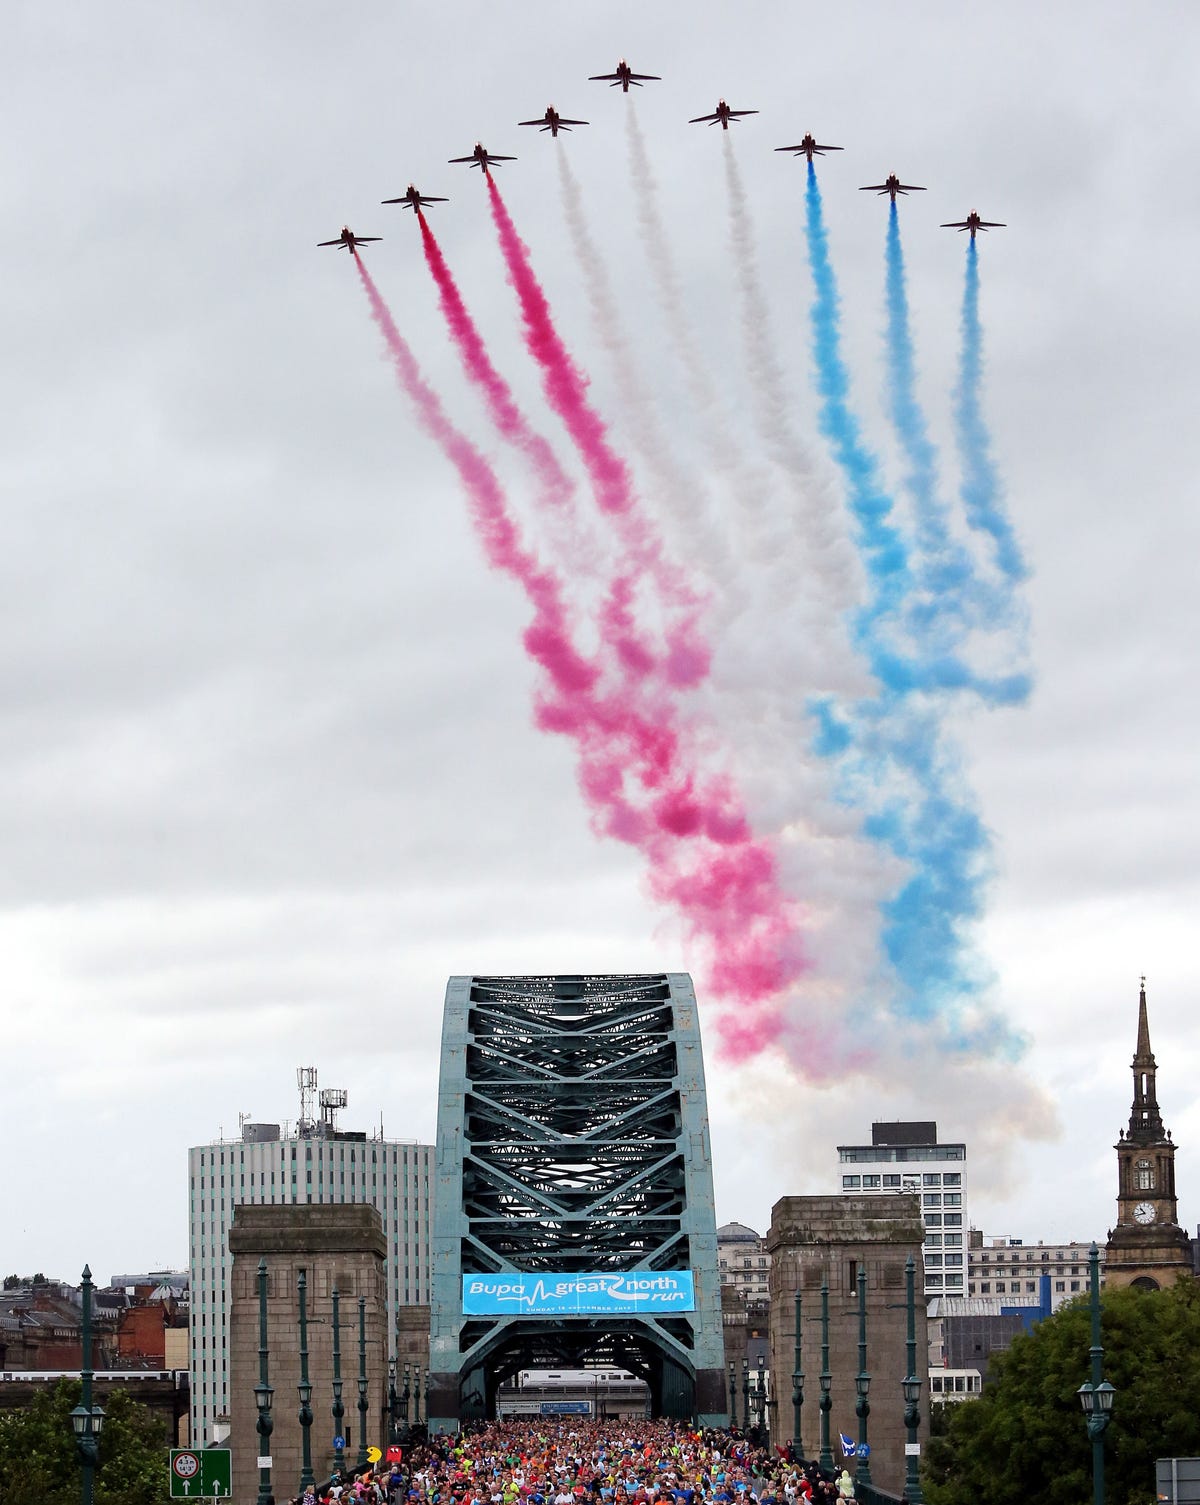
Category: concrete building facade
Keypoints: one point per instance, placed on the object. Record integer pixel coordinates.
(743, 1261)
(1011, 1268)
(335, 1246)
(314, 1164)
(815, 1240)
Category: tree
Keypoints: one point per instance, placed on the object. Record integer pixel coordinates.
(1023, 1442)
(39, 1465)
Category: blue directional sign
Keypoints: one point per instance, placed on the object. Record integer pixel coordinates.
(613, 1292)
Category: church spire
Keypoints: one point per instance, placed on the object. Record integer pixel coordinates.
(1145, 1121)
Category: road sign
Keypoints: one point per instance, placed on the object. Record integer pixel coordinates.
(339, 1443)
(201, 1474)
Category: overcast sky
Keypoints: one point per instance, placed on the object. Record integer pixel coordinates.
(267, 768)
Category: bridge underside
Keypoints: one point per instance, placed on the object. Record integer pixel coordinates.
(572, 1139)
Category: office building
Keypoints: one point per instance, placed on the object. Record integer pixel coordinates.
(312, 1161)
(743, 1261)
(907, 1157)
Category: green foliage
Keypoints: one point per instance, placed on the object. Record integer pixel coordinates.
(1024, 1442)
(39, 1465)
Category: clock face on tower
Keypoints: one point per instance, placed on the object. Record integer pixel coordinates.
(1144, 1212)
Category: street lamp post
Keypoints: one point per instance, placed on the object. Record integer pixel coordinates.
(364, 1404)
(1096, 1396)
(911, 1388)
(798, 1380)
(87, 1421)
(746, 1422)
(338, 1409)
(263, 1394)
(762, 1394)
(732, 1395)
(862, 1386)
(304, 1416)
(405, 1395)
(825, 1379)
(393, 1400)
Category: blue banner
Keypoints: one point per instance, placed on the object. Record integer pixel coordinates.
(513, 1293)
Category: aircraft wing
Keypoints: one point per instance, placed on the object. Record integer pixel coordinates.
(562, 120)
(874, 188)
(705, 120)
(541, 120)
(829, 148)
(646, 78)
(471, 158)
(910, 188)
(736, 114)
(338, 242)
(992, 224)
(954, 224)
(361, 240)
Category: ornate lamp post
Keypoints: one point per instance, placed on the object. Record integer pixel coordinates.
(304, 1416)
(263, 1395)
(338, 1409)
(732, 1395)
(746, 1423)
(862, 1386)
(393, 1401)
(87, 1421)
(797, 1380)
(910, 1387)
(1096, 1396)
(427, 1396)
(825, 1378)
(417, 1396)
(364, 1404)
(404, 1398)
(762, 1393)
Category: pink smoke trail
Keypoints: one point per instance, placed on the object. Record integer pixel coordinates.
(512, 424)
(565, 386)
(704, 860)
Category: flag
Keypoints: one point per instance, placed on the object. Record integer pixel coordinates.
(849, 1446)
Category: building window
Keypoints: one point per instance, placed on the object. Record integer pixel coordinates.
(933, 1261)
(1074, 1285)
(1060, 1285)
(933, 1220)
(851, 1183)
(954, 1241)
(954, 1280)
(952, 1178)
(953, 1199)
(954, 1260)
(933, 1240)
(1145, 1176)
(1001, 1288)
(985, 1288)
(1031, 1285)
(953, 1220)
(870, 1183)
(932, 1199)
(934, 1180)
(891, 1183)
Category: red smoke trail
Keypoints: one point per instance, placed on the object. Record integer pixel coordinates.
(704, 861)
(565, 385)
(508, 418)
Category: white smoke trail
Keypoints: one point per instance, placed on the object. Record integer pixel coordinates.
(821, 543)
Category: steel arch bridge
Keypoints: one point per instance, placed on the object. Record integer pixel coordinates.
(573, 1137)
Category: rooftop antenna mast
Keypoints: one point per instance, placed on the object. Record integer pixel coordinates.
(332, 1099)
(306, 1080)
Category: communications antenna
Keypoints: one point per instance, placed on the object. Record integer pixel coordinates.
(306, 1080)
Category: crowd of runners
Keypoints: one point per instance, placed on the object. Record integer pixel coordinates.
(573, 1461)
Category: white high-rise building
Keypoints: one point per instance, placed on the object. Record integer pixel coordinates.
(907, 1157)
(313, 1161)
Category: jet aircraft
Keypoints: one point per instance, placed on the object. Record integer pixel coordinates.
(415, 201)
(552, 121)
(481, 157)
(973, 223)
(808, 148)
(722, 113)
(892, 186)
(351, 241)
(624, 76)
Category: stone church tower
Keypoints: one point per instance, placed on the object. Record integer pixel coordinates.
(1147, 1248)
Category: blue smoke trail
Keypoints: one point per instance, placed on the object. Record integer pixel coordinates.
(981, 493)
(892, 755)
